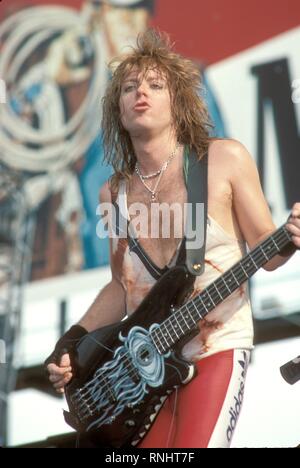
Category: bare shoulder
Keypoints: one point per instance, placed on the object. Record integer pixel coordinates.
(226, 149)
(230, 155)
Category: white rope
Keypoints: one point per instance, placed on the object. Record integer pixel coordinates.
(62, 142)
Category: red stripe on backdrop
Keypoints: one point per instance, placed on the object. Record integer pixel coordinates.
(210, 30)
(213, 30)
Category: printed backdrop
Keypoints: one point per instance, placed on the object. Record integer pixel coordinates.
(54, 61)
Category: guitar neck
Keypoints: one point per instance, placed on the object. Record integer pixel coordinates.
(185, 319)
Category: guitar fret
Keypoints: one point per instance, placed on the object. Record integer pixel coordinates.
(178, 324)
(210, 297)
(278, 249)
(248, 265)
(251, 258)
(226, 284)
(268, 247)
(166, 327)
(257, 259)
(264, 254)
(203, 304)
(204, 298)
(287, 234)
(174, 328)
(217, 289)
(185, 321)
(194, 322)
(197, 312)
(235, 279)
(244, 270)
(163, 336)
(162, 346)
(190, 312)
(191, 320)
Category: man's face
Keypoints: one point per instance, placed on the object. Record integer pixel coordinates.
(145, 104)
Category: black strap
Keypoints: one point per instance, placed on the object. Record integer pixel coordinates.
(189, 253)
(196, 223)
(121, 227)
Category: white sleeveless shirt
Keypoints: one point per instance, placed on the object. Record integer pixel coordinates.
(229, 325)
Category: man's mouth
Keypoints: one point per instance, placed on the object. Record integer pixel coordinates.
(141, 106)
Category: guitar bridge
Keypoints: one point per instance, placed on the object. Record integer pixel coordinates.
(111, 395)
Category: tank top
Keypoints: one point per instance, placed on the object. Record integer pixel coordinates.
(229, 325)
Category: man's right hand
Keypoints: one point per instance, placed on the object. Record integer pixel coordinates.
(60, 375)
(58, 364)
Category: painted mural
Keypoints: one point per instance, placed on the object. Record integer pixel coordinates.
(54, 62)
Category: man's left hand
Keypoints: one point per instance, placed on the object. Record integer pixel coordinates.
(293, 225)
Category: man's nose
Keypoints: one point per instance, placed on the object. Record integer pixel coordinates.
(141, 88)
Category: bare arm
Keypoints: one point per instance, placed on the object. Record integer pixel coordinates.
(250, 205)
(109, 307)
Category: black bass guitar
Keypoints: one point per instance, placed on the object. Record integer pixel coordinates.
(125, 371)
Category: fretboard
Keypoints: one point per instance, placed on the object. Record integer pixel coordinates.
(185, 319)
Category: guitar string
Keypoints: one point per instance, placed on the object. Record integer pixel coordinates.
(124, 378)
(131, 373)
(128, 358)
(214, 299)
(166, 380)
(93, 406)
(105, 394)
(214, 290)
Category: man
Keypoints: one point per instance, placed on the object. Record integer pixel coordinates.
(152, 118)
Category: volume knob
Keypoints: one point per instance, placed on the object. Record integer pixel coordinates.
(129, 423)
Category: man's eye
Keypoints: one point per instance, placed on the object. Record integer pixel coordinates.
(156, 85)
(128, 88)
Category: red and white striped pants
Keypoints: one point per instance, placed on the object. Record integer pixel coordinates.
(203, 413)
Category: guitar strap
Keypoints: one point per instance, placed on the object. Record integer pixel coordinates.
(192, 251)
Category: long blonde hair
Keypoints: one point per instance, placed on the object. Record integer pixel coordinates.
(190, 117)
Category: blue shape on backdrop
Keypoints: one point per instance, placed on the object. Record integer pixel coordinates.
(91, 178)
(214, 110)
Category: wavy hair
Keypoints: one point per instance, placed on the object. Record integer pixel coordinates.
(189, 113)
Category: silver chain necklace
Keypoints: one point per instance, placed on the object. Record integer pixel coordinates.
(159, 172)
(149, 176)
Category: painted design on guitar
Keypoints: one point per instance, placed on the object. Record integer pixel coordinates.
(124, 380)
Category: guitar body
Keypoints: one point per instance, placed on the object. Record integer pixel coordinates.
(121, 380)
(125, 371)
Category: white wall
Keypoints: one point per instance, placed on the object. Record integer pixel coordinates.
(270, 415)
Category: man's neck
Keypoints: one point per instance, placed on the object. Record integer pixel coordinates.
(153, 153)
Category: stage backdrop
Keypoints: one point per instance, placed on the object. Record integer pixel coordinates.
(54, 63)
